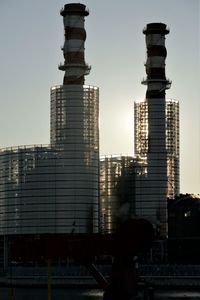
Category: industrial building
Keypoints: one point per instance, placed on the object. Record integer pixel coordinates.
(153, 173)
(63, 187)
(54, 189)
(184, 212)
(118, 175)
(184, 229)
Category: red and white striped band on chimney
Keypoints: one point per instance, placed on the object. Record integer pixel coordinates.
(73, 50)
(155, 65)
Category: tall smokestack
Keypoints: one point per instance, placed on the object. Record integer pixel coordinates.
(75, 132)
(73, 50)
(155, 65)
(153, 201)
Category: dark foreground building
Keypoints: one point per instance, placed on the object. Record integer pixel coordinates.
(184, 229)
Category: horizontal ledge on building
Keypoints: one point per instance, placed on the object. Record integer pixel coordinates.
(156, 80)
(66, 66)
(74, 9)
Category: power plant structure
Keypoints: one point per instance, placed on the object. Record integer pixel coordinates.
(74, 129)
(64, 188)
(117, 191)
(119, 176)
(151, 176)
(54, 189)
(151, 193)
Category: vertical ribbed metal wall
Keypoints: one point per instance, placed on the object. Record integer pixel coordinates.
(28, 191)
(74, 130)
(172, 140)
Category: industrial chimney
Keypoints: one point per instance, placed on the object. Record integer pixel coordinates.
(75, 132)
(155, 65)
(73, 50)
(151, 198)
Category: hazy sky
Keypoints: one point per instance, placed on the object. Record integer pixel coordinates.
(31, 33)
